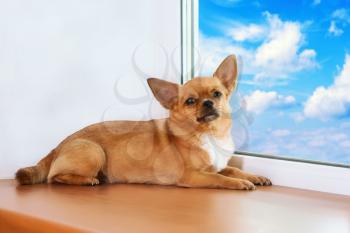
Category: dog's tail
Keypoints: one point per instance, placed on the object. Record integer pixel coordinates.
(35, 174)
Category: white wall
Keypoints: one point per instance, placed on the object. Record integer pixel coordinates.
(60, 61)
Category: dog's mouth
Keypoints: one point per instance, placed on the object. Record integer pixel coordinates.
(209, 116)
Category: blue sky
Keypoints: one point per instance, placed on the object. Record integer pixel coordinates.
(294, 85)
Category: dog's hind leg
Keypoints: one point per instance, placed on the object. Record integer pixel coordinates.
(75, 179)
(78, 163)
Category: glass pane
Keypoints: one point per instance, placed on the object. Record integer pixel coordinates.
(293, 97)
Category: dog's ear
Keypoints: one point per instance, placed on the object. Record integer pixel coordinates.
(165, 92)
(227, 73)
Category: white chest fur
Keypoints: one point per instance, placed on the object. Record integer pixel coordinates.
(220, 150)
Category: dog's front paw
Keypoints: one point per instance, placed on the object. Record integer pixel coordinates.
(246, 185)
(94, 181)
(259, 180)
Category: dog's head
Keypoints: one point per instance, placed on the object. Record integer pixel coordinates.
(201, 101)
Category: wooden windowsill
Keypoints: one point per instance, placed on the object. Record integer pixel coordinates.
(151, 208)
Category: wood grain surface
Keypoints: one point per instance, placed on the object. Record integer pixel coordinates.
(151, 208)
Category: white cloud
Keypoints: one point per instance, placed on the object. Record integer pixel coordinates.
(278, 52)
(316, 2)
(297, 117)
(259, 101)
(342, 15)
(316, 142)
(282, 42)
(321, 144)
(345, 125)
(280, 133)
(332, 101)
(338, 137)
(270, 148)
(214, 50)
(250, 32)
(345, 144)
(334, 30)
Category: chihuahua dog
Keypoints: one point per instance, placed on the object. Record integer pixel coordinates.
(191, 148)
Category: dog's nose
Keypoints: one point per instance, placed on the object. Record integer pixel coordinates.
(208, 104)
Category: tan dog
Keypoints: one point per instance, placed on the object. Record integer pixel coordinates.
(191, 148)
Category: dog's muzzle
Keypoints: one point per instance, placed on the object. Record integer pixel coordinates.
(209, 112)
(208, 116)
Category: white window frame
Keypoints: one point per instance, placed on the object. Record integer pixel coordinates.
(303, 174)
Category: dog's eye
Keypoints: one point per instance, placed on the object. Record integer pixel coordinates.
(217, 94)
(190, 101)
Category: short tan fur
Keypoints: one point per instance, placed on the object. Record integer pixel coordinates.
(164, 151)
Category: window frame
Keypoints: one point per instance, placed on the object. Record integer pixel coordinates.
(284, 171)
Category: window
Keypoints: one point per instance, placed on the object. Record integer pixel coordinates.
(293, 97)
